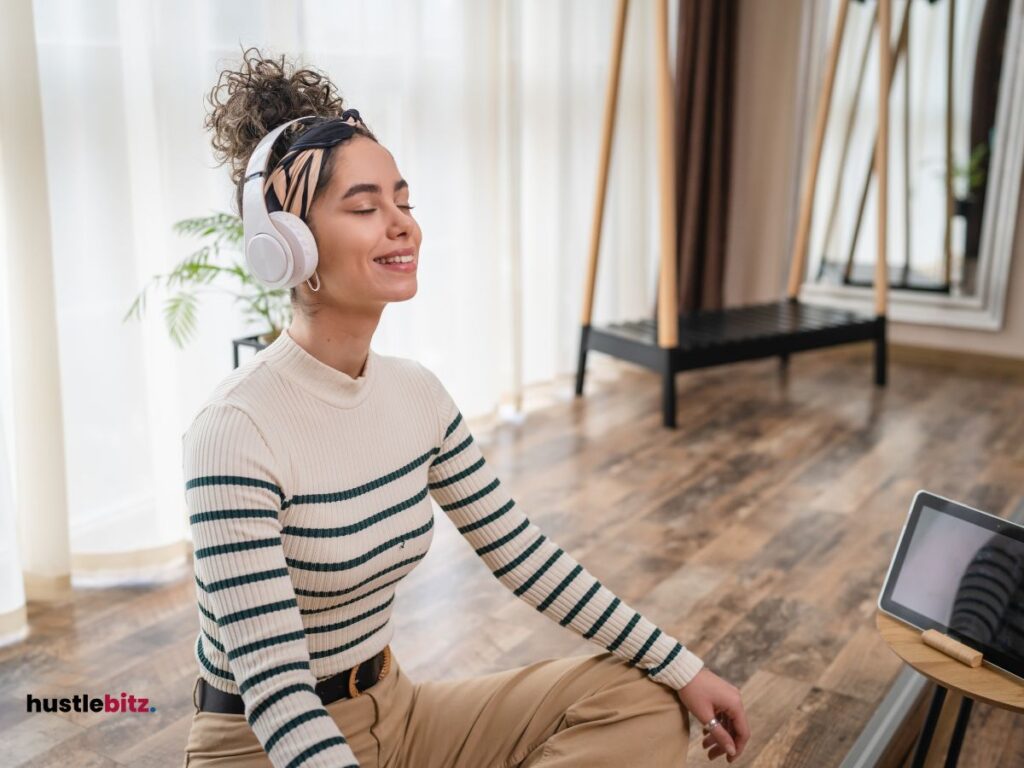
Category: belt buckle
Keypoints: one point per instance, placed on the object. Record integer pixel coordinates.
(353, 689)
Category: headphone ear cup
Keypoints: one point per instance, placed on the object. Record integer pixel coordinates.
(301, 242)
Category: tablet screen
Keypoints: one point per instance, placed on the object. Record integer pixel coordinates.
(962, 572)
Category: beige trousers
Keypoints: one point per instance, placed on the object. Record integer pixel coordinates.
(594, 711)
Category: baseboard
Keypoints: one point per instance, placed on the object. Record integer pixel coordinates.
(971, 362)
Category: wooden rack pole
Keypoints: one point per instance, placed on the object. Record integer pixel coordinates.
(948, 244)
(607, 134)
(798, 260)
(668, 316)
(851, 119)
(907, 243)
(901, 51)
(882, 154)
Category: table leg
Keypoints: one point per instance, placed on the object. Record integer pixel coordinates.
(957, 740)
(925, 741)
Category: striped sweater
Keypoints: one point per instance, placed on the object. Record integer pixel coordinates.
(311, 495)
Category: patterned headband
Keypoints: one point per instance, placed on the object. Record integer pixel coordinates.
(291, 184)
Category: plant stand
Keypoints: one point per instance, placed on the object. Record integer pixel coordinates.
(246, 341)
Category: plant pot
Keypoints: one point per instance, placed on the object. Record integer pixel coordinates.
(962, 206)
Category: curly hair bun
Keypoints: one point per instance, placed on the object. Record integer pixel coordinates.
(249, 102)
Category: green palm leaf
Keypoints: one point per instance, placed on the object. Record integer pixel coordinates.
(216, 264)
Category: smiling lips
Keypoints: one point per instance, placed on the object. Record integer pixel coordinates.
(396, 253)
(402, 260)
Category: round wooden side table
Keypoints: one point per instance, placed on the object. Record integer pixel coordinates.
(978, 684)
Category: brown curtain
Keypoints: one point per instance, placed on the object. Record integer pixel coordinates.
(705, 65)
(988, 66)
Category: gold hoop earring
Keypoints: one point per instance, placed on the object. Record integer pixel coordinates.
(317, 276)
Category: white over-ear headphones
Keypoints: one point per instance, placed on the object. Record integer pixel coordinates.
(280, 250)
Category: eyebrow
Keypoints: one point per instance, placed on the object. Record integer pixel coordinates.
(374, 188)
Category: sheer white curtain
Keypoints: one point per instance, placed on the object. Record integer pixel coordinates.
(492, 111)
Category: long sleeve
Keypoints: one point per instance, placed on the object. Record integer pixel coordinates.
(532, 566)
(247, 602)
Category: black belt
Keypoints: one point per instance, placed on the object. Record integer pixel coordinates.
(347, 684)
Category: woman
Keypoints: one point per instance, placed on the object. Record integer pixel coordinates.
(309, 473)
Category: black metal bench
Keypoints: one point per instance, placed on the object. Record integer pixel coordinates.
(718, 337)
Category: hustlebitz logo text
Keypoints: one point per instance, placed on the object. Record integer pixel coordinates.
(83, 702)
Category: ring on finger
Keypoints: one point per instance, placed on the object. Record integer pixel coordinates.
(711, 725)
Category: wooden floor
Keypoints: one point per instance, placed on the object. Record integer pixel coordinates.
(758, 533)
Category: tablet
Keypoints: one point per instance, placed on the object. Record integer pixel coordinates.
(961, 571)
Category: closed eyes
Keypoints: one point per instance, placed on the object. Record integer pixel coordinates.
(371, 210)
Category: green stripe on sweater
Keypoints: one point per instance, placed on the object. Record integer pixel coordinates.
(265, 642)
(236, 546)
(458, 475)
(223, 673)
(464, 529)
(582, 602)
(453, 452)
(325, 498)
(512, 564)
(237, 581)
(453, 425)
(320, 746)
(602, 619)
(231, 514)
(213, 642)
(472, 497)
(625, 632)
(561, 587)
(362, 525)
(538, 573)
(354, 620)
(206, 613)
(266, 674)
(346, 646)
(275, 697)
(645, 647)
(353, 588)
(258, 610)
(345, 565)
(504, 539)
(292, 724)
(675, 651)
(252, 482)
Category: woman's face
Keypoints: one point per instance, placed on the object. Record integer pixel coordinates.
(361, 215)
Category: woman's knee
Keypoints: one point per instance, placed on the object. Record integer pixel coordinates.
(633, 691)
(626, 719)
(660, 705)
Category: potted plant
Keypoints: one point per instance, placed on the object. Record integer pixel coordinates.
(216, 261)
(974, 174)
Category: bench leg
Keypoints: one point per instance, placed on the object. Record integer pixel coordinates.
(668, 393)
(881, 355)
(581, 365)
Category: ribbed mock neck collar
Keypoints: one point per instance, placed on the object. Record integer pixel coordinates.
(318, 378)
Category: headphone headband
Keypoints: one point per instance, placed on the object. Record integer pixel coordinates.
(280, 250)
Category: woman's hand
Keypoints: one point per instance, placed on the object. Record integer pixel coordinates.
(708, 696)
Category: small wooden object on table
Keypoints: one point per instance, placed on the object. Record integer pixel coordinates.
(968, 683)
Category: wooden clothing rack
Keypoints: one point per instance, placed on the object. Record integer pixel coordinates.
(672, 342)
